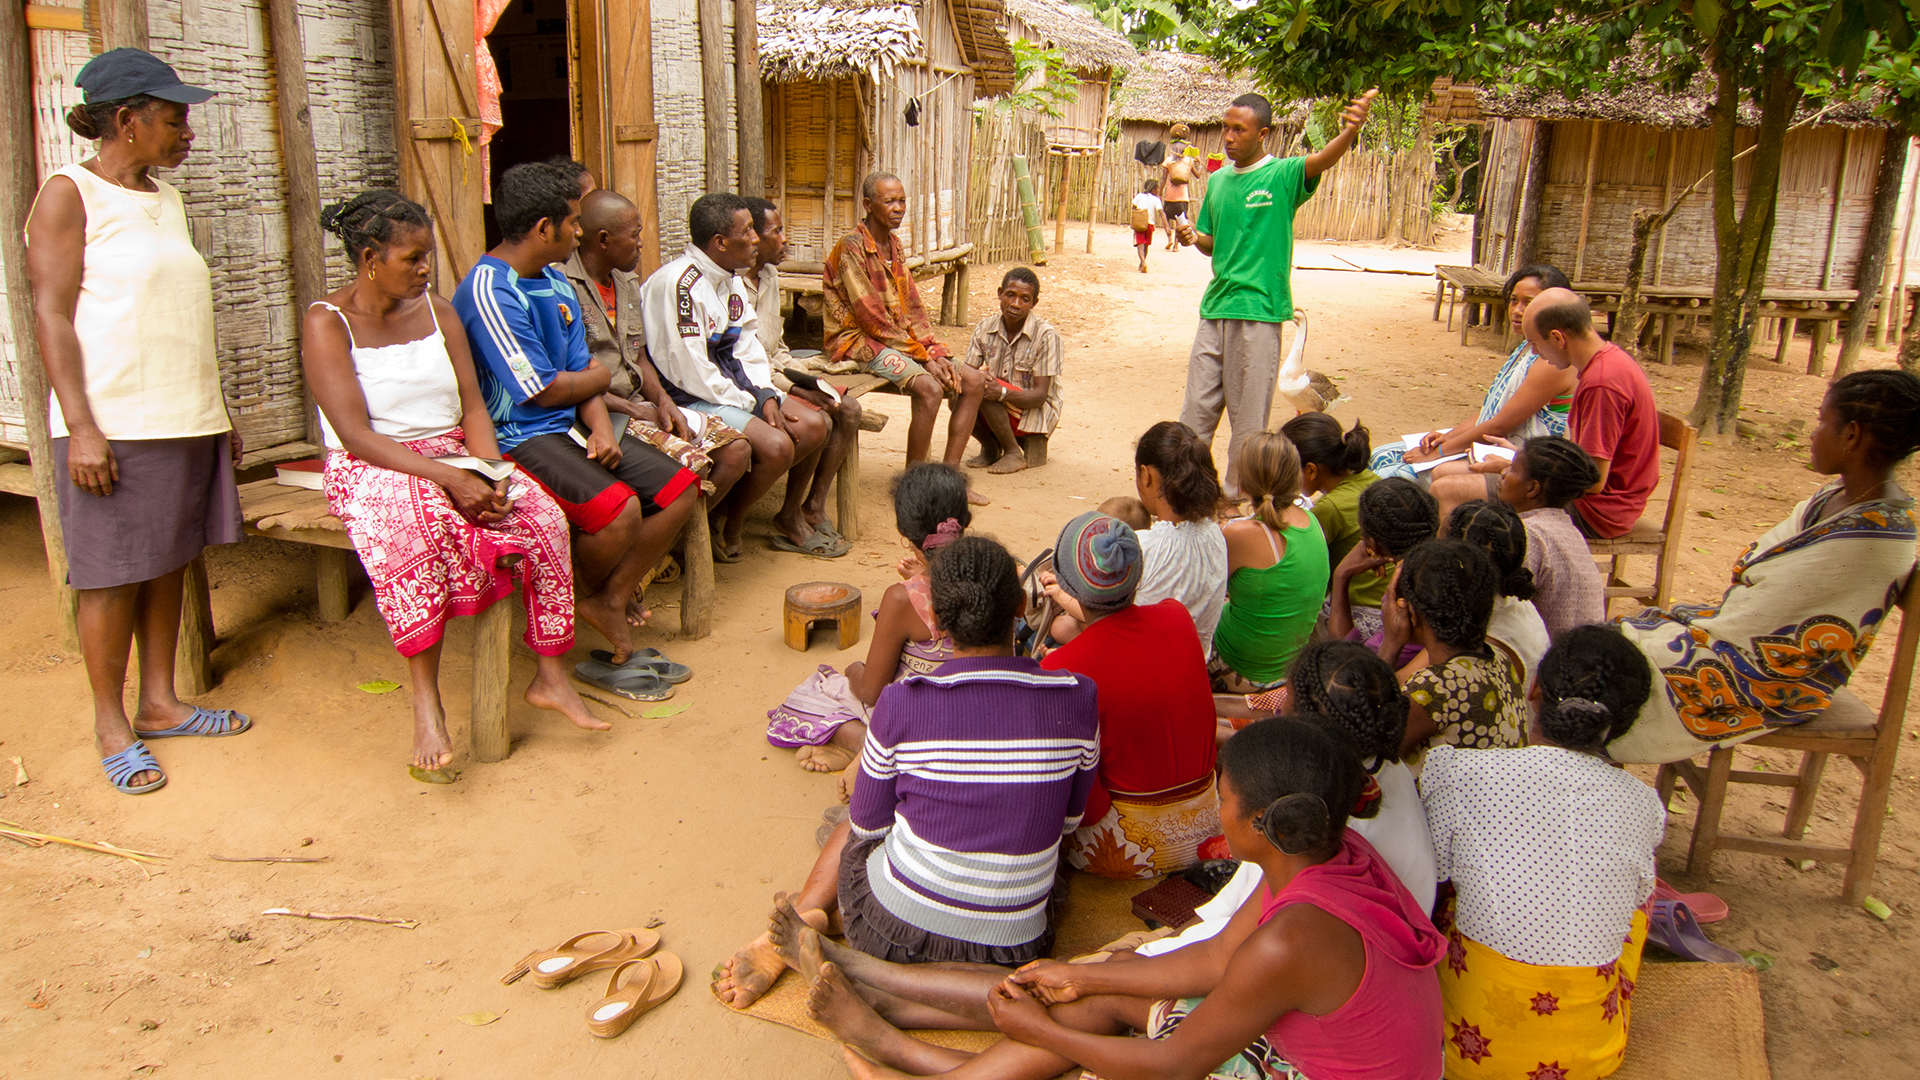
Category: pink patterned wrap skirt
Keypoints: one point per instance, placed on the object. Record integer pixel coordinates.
(428, 563)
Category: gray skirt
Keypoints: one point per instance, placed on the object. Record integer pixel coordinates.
(174, 497)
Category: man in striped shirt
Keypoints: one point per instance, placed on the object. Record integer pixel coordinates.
(543, 391)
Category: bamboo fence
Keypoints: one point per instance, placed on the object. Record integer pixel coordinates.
(993, 202)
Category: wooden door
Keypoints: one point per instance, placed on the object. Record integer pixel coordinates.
(437, 122)
(626, 88)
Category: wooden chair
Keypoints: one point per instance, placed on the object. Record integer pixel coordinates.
(1645, 538)
(1847, 727)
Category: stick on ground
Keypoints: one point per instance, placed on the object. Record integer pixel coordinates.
(327, 916)
(270, 858)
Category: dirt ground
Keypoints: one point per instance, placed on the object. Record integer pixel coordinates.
(111, 968)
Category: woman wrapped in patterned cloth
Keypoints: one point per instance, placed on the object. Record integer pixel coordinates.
(1807, 597)
(399, 404)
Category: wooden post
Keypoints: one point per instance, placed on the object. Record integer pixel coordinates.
(1870, 270)
(1586, 204)
(1060, 207)
(193, 657)
(492, 632)
(1900, 277)
(330, 567)
(827, 194)
(122, 23)
(306, 251)
(1525, 233)
(696, 573)
(18, 182)
(712, 16)
(1788, 326)
(1666, 199)
(747, 100)
(1099, 159)
(1817, 351)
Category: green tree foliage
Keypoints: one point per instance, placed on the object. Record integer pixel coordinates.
(1183, 25)
(1042, 82)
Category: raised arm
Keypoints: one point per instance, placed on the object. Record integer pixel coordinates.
(1356, 114)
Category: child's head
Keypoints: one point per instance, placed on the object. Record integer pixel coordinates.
(1326, 454)
(1128, 509)
(976, 592)
(1396, 515)
(1182, 471)
(1151, 187)
(1291, 782)
(1548, 471)
(1097, 562)
(1883, 406)
(1591, 686)
(1496, 528)
(1347, 683)
(930, 505)
(1270, 475)
(1450, 585)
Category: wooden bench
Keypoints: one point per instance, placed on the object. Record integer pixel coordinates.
(1470, 285)
(300, 516)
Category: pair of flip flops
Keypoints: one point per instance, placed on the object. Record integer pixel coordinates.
(825, 543)
(137, 759)
(1672, 926)
(1706, 907)
(642, 978)
(647, 675)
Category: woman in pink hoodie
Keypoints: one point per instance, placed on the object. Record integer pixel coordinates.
(1326, 973)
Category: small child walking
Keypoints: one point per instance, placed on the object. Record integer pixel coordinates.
(1145, 206)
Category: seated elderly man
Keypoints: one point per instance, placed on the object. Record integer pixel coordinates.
(1020, 352)
(874, 317)
(844, 414)
(603, 278)
(704, 341)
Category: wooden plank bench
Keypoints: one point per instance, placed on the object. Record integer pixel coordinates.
(1470, 285)
(300, 516)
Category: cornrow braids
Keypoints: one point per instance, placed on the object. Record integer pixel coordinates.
(1348, 683)
(1561, 468)
(1495, 528)
(1593, 683)
(1886, 405)
(1187, 476)
(1450, 584)
(976, 592)
(1398, 514)
(368, 220)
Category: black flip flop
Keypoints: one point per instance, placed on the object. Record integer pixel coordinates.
(647, 661)
(632, 685)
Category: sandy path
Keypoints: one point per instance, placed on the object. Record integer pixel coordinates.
(693, 819)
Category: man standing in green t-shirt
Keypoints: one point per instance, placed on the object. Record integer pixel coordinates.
(1246, 225)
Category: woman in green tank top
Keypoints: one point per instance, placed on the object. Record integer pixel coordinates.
(1277, 571)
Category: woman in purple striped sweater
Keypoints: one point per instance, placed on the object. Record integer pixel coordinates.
(969, 779)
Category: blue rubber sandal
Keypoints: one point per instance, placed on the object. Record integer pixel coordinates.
(130, 762)
(206, 723)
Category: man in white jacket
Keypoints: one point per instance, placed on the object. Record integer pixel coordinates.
(702, 336)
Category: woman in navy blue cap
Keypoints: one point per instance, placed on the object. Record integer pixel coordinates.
(144, 450)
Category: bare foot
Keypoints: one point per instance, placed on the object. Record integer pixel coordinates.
(862, 1069)
(1010, 462)
(834, 1005)
(550, 690)
(743, 977)
(979, 461)
(845, 782)
(610, 618)
(431, 747)
(974, 498)
(838, 753)
(637, 610)
(160, 715)
(794, 938)
(107, 747)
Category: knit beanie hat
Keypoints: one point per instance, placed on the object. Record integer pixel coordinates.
(1097, 561)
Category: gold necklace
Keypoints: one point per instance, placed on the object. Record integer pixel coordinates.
(153, 215)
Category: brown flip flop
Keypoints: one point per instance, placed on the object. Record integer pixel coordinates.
(637, 987)
(582, 954)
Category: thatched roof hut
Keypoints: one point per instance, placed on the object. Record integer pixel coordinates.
(1091, 50)
(855, 86)
(1167, 88)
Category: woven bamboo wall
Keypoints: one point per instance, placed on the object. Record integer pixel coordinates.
(800, 110)
(993, 197)
(1826, 194)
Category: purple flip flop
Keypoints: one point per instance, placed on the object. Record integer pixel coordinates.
(1671, 926)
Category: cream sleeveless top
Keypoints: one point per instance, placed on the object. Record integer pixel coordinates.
(144, 317)
(410, 387)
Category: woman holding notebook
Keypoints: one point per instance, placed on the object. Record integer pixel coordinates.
(441, 524)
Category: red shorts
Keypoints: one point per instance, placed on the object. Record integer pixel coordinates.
(588, 492)
(1142, 237)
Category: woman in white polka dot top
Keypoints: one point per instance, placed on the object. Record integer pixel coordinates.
(1550, 849)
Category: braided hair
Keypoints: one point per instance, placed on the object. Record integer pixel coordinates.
(1299, 778)
(927, 496)
(1270, 476)
(1349, 684)
(1886, 405)
(976, 592)
(94, 120)
(1561, 468)
(1592, 685)
(1318, 438)
(1450, 584)
(1496, 528)
(370, 219)
(1187, 476)
(1398, 514)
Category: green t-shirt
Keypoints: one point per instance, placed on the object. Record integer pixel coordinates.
(1249, 214)
(1339, 514)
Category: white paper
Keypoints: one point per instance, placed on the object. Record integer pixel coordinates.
(1483, 451)
(1423, 466)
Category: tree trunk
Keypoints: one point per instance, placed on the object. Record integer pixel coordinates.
(1745, 241)
(1632, 313)
(1869, 275)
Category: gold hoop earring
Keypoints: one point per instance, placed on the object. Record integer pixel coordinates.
(369, 273)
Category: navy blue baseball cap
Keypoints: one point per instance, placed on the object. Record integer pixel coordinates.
(122, 73)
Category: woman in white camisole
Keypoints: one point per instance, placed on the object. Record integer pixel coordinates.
(142, 449)
(390, 369)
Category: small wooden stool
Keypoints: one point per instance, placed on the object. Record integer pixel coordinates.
(822, 601)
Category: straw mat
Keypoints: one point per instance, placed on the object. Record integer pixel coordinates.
(1696, 1020)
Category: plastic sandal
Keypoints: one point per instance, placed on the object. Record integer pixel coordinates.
(649, 982)
(817, 544)
(131, 762)
(1672, 927)
(1706, 907)
(634, 684)
(206, 723)
(647, 660)
(602, 949)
